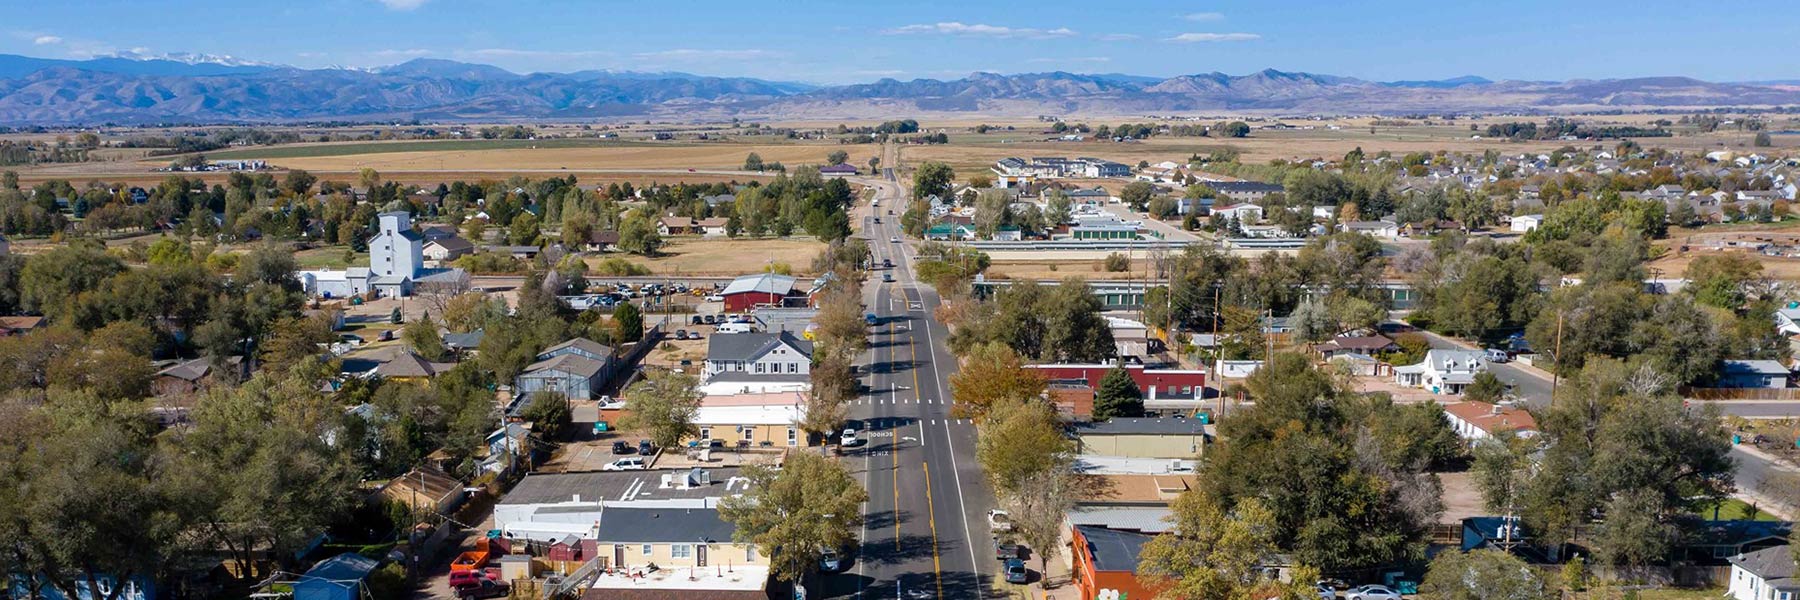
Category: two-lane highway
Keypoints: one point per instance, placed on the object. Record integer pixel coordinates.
(925, 532)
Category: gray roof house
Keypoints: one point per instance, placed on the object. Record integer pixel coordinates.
(572, 375)
(1766, 574)
(1753, 374)
(774, 353)
(580, 347)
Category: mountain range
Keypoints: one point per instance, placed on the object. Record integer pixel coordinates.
(201, 89)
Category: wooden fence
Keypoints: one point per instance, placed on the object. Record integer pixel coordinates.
(1740, 393)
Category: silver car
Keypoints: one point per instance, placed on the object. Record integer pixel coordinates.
(1372, 592)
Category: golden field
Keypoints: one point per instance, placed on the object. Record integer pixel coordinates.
(687, 255)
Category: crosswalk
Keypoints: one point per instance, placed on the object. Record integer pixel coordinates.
(890, 422)
(871, 401)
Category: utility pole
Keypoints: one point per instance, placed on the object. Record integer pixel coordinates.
(1216, 345)
(1555, 361)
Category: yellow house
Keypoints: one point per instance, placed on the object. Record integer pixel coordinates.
(632, 537)
(754, 425)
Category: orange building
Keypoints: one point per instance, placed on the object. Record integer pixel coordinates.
(1107, 559)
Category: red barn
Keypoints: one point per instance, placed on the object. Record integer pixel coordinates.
(1154, 383)
(762, 289)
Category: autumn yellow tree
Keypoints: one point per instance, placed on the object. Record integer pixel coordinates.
(992, 373)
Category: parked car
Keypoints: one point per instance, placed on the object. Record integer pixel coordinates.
(1372, 592)
(622, 448)
(999, 520)
(1326, 592)
(1498, 355)
(887, 263)
(625, 464)
(1015, 571)
(893, 239)
(645, 448)
(486, 588)
(713, 298)
(462, 578)
(830, 561)
(849, 439)
(681, 334)
(1004, 550)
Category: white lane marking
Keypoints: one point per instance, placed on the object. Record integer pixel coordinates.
(962, 503)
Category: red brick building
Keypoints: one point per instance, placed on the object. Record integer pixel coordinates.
(1107, 559)
(1154, 383)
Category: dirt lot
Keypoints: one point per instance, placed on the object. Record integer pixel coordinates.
(671, 352)
(1461, 499)
(727, 256)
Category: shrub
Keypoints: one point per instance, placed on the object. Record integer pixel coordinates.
(1117, 263)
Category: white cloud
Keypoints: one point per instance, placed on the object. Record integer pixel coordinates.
(980, 30)
(543, 54)
(402, 4)
(397, 53)
(699, 55)
(1189, 38)
(1204, 16)
(46, 40)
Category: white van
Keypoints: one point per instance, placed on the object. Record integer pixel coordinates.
(733, 328)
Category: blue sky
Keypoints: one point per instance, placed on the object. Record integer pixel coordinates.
(848, 41)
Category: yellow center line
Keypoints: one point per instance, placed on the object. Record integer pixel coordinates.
(937, 567)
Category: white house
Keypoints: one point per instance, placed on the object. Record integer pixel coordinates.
(1383, 230)
(777, 353)
(1244, 213)
(1766, 574)
(1236, 369)
(1526, 223)
(1476, 421)
(1787, 320)
(1443, 371)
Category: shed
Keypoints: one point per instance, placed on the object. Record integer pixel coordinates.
(337, 578)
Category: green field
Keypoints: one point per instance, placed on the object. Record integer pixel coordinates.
(354, 148)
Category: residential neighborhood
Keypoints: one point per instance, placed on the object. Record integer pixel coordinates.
(442, 301)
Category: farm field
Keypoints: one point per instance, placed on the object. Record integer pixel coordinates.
(632, 155)
(353, 148)
(726, 256)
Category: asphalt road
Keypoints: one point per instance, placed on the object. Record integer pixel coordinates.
(925, 529)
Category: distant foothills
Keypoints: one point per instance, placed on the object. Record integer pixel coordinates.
(121, 90)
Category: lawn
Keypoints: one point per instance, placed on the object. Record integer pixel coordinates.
(1734, 508)
(329, 257)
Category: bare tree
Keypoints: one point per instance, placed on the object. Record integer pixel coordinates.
(437, 290)
(1037, 509)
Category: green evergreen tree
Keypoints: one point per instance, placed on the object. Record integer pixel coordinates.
(628, 322)
(1118, 396)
